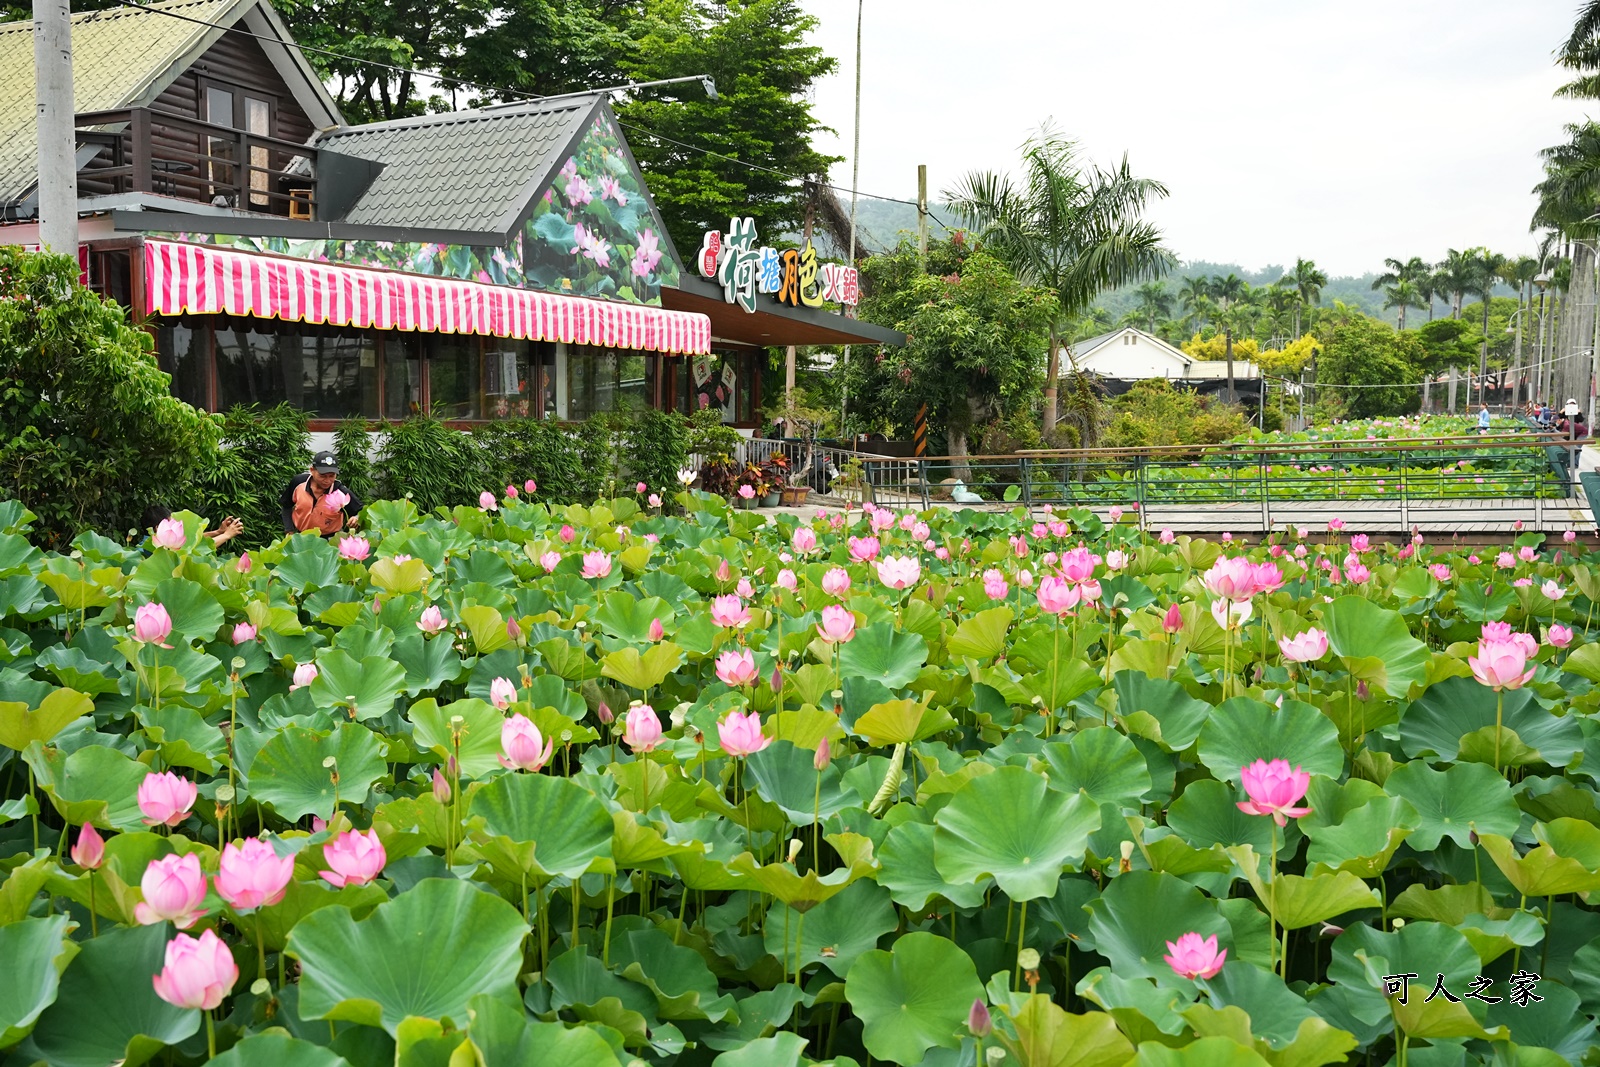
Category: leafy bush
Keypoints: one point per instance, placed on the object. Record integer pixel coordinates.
(425, 460)
(352, 443)
(559, 458)
(658, 447)
(90, 435)
(261, 451)
(1156, 412)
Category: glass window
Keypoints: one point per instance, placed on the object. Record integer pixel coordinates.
(543, 375)
(258, 120)
(402, 370)
(181, 352)
(250, 369)
(507, 383)
(455, 385)
(605, 379)
(330, 374)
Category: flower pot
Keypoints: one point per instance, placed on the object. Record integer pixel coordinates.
(746, 503)
(795, 495)
(771, 499)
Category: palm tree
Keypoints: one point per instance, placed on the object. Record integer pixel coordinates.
(1427, 288)
(1155, 303)
(1402, 293)
(1413, 271)
(1582, 54)
(1225, 291)
(1456, 274)
(1488, 265)
(1284, 303)
(1307, 281)
(1068, 226)
(1194, 296)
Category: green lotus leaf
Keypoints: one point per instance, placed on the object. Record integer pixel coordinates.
(1158, 709)
(506, 1037)
(1049, 1037)
(1099, 761)
(683, 985)
(1362, 956)
(628, 617)
(835, 932)
(982, 636)
(35, 951)
(1296, 901)
(367, 688)
(186, 739)
(21, 725)
(897, 722)
(479, 728)
(913, 998)
(785, 775)
(581, 984)
(1242, 731)
(779, 1050)
(1440, 721)
(1139, 912)
(276, 1048)
(1567, 859)
(195, 613)
(308, 563)
(93, 784)
(1141, 1008)
(292, 773)
(1375, 644)
(1204, 1052)
(428, 663)
(883, 654)
(1556, 1023)
(409, 576)
(541, 827)
(908, 871)
(1353, 827)
(1208, 814)
(487, 627)
(642, 670)
(1454, 802)
(805, 891)
(399, 961)
(128, 1023)
(1011, 826)
(76, 670)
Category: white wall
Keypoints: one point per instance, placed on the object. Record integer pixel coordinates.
(1131, 356)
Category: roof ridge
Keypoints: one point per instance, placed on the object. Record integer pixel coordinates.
(514, 109)
(122, 11)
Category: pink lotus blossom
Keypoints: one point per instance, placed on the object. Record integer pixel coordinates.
(920, 531)
(1570, 536)
(170, 534)
(1172, 621)
(1057, 596)
(336, 500)
(1025, 579)
(1335, 525)
(550, 561)
(747, 492)
(880, 520)
(90, 849)
(432, 620)
(654, 500)
(730, 611)
(1527, 554)
(656, 630)
(174, 890)
(1440, 571)
(1192, 956)
(1502, 664)
(836, 582)
(787, 580)
(566, 533)
(1304, 647)
(724, 572)
(1299, 551)
(745, 589)
(995, 585)
(487, 502)
(803, 540)
(864, 549)
(1552, 591)
(641, 728)
(1231, 614)
(736, 669)
(596, 564)
(1559, 636)
(899, 572)
(1019, 546)
(252, 875)
(838, 624)
(1233, 579)
(1359, 542)
(1167, 537)
(165, 798)
(441, 787)
(199, 972)
(646, 255)
(1274, 789)
(1116, 513)
(304, 675)
(502, 693)
(941, 553)
(1505, 561)
(243, 564)
(355, 858)
(1078, 565)
(151, 625)
(978, 1019)
(354, 549)
(243, 633)
(740, 734)
(511, 492)
(1116, 559)
(525, 748)
(1357, 573)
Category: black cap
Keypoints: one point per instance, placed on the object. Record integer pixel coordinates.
(325, 463)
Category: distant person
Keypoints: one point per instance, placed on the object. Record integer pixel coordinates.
(156, 514)
(1484, 419)
(1580, 426)
(306, 504)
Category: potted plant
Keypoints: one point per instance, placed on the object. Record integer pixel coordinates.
(752, 486)
(775, 472)
(849, 484)
(803, 421)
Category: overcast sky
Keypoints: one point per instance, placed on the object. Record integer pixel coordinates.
(1340, 132)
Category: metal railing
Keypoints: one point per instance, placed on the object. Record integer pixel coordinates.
(844, 473)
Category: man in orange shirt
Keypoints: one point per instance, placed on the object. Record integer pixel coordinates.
(317, 500)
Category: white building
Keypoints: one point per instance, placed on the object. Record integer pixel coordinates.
(1130, 354)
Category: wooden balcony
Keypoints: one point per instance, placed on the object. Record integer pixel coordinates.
(140, 150)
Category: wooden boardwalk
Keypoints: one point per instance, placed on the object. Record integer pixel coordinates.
(1464, 517)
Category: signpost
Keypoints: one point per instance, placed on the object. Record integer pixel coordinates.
(792, 276)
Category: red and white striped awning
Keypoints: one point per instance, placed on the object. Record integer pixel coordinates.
(187, 279)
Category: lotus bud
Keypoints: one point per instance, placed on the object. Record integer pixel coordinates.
(441, 787)
(978, 1019)
(452, 767)
(1172, 621)
(657, 631)
(795, 845)
(1127, 857)
(90, 850)
(824, 754)
(605, 713)
(514, 631)
(1362, 692)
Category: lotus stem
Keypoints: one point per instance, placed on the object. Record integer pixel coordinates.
(261, 948)
(1499, 714)
(1272, 897)
(1022, 941)
(211, 1036)
(94, 920)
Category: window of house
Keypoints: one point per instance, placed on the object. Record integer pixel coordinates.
(608, 379)
(330, 374)
(236, 108)
(402, 375)
(181, 352)
(455, 381)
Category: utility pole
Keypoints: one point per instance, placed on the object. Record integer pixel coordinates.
(922, 213)
(855, 183)
(1516, 355)
(812, 190)
(57, 132)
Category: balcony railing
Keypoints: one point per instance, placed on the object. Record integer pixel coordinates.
(139, 150)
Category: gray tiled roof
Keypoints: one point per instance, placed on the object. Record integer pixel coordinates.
(120, 57)
(464, 170)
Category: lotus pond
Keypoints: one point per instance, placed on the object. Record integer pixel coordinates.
(603, 786)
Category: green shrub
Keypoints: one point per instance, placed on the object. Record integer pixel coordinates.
(658, 449)
(352, 443)
(435, 466)
(550, 453)
(261, 450)
(90, 434)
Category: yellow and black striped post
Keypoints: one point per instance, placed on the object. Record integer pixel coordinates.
(919, 432)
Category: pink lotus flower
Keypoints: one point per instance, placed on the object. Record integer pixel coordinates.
(1359, 542)
(304, 675)
(1501, 664)
(1526, 554)
(174, 890)
(487, 502)
(838, 624)
(736, 669)
(804, 539)
(550, 561)
(170, 534)
(165, 798)
(336, 500)
(899, 572)
(1057, 596)
(1025, 579)
(252, 875)
(1167, 537)
(511, 492)
(1019, 546)
(1233, 579)
(1116, 513)
(745, 589)
(941, 553)
(1116, 559)
(747, 492)
(787, 580)
(596, 564)
(354, 549)
(441, 787)
(995, 585)
(920, 531)
(502, 693)
(1299, 551)
(1335, 525)
(1274, 789)
(1078, 565)
(1304, 647)
(656, 630)
(881, 519)
(566, 533)
(1357, 573)
(836, 582)
(864, 549)
(1231, 614)
(432, 620)
(730, 611)
(1496, 632)
(1192, 956)
(243, 633)
(724, 572)
(1172, 621)
(1505, 561)
(513, 630)
(654, 500)
(356, 858)
(1440, 571)
(1559, 636)
(151, 625)
(525, 747)
(199, 972)
(1552, 591)
(740, 734)
(243, 564)
(1570, 536)
(641, 728)
(90, 850)
(824, 753)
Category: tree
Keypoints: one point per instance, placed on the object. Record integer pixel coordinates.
(1226, 291)
(1155, 303)
(973, 336)
(1194, 296)
(1402, 294)
(1402, 286)
(90, 434)
(1068, 226)
(760, 128)
(1307, 281)
(1376, 359)
(1487, 266)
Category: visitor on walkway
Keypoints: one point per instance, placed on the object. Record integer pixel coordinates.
(309, 502)
(1483, 419)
